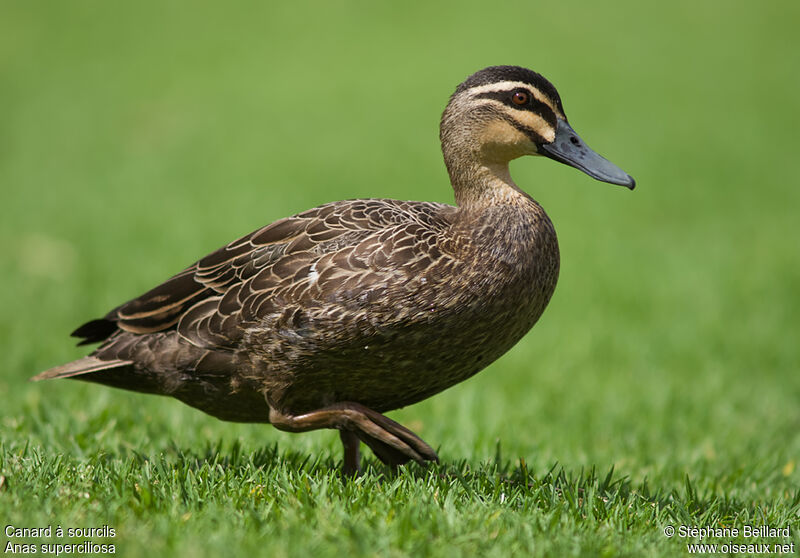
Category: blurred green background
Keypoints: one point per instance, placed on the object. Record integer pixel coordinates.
(136, 137)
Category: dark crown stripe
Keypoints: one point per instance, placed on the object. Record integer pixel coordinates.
(534, 105)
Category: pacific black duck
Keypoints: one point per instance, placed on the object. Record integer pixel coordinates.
(330, 317)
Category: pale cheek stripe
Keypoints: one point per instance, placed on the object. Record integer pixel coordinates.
(529, 120)
(537, 124)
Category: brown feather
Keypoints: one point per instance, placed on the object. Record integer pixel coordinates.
(85, 365)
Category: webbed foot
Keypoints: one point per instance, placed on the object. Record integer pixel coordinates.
(392, 443)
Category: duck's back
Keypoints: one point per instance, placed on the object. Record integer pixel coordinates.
(190, 336)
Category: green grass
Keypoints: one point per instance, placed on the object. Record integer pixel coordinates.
(661, 386)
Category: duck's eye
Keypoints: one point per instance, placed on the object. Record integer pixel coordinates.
(519, 98)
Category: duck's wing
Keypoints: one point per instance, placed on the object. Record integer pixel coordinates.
(210, 300)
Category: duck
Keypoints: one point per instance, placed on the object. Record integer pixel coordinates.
(332, 317)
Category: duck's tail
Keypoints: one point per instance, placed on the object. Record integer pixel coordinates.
(85, 365)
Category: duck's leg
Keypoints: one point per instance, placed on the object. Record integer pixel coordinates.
(392, 443)
(352, 453)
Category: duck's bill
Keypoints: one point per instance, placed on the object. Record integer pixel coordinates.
(570, 149)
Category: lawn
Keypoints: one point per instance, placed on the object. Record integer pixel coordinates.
(660, 389)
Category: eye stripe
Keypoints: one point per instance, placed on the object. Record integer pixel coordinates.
(547, 95)
(506, 77)
(534, 105)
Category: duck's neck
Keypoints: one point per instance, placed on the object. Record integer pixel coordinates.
(482, 183)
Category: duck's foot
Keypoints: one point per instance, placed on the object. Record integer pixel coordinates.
(392, 443)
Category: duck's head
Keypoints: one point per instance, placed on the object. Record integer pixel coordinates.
(503, 112)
